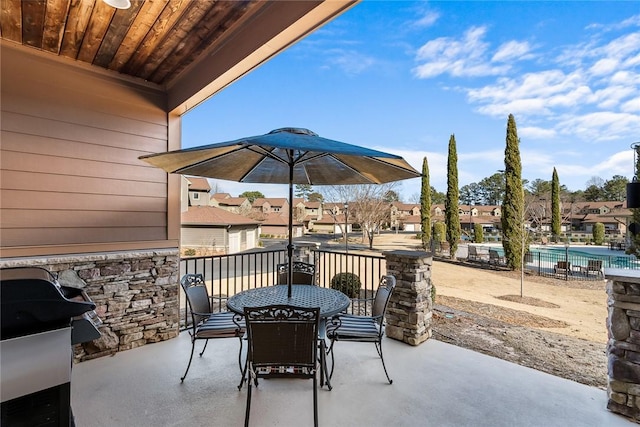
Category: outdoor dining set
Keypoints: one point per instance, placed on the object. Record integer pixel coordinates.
(290, 328)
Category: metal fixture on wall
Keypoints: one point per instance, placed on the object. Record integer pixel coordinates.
(633, 187)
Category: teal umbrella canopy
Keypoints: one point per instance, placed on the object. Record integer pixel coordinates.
(286, 156)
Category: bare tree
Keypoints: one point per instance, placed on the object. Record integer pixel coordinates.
(367, 206)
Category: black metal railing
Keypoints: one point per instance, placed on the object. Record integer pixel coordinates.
(227, 275)
(565, 263)
(368, 268)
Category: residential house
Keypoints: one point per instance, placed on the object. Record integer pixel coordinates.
(405, 216)
(238, 205)
(333, 224)
(312, 213)
(265, 206)
(218, 230)
(87, 89)
(212, 229)
(610, 213)
(487, 216)
(276, 224)
(198, 190)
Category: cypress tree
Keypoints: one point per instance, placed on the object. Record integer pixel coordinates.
(425, 205)
(451, 204)
(556, 220)
(478, 233)
(513, 203)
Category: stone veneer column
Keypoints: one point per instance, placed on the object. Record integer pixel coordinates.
(136, 295)
(410, 309)
(623, 348)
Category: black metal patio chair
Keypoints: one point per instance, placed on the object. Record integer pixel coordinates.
(303, 273)
(349, 327)
(282, 343)
(205, 324)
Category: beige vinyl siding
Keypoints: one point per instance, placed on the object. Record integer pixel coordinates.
(204, 236)
(70, 178)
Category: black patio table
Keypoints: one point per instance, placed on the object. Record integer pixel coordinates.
(329, 300)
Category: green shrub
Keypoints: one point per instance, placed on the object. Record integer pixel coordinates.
(347, 283)
(433, 293)
(598, 233)
(478, 233)
(190, 252)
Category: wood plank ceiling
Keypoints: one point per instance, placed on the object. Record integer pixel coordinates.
(153, 40)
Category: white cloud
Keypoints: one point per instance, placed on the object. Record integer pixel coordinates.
(462, 57)
(512, 50)
(350, 61)
(536, 132)
(631, 106)
(604, 66)
(600, 126)
(428, 19)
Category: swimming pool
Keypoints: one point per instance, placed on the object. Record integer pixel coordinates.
(547, 256)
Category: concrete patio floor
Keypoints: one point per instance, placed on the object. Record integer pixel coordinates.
(434, 384)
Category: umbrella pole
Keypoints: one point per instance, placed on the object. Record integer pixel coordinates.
(290, 245)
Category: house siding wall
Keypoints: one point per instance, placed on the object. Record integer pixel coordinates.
(70, 178)
(194, 236)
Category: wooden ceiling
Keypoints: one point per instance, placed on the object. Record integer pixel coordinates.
(154, 40)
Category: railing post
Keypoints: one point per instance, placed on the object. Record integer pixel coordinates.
(410, 309)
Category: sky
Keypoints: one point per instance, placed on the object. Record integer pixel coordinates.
(402, 77)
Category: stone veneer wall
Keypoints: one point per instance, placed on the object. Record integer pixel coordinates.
(410, 309)
(136, 295)
(623, 348)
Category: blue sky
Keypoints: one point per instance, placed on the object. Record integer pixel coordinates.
(401, 77)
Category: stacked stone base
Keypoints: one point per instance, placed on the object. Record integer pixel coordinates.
(136, 295)
(409, 313)
(623, 349)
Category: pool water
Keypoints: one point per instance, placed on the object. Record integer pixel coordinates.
(611, 258)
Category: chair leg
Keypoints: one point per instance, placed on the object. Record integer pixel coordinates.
(243, 369)
(248, 411)
(204, 348)
(193, 345)
(315, 400)
(379, 348)
(333, 362)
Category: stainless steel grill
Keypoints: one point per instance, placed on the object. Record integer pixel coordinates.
(41, 320)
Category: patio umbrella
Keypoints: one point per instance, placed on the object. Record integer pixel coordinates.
(286, 156)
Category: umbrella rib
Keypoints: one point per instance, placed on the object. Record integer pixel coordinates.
(189, 166)
(378, 161)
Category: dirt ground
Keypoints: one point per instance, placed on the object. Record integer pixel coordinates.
(556, 326)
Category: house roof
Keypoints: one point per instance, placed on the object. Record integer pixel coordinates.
(192, 48)
(232, 201)
(198, 184)
(210, 215)
(412, 219)
(221, 196)
(329, 219)
(272, 201)
(277, 219)
(405, 206)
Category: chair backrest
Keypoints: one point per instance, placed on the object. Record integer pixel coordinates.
(197, 295)
(383, 294)
(563, 265)
(594, 264)
(282, 335)
(303, 273)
